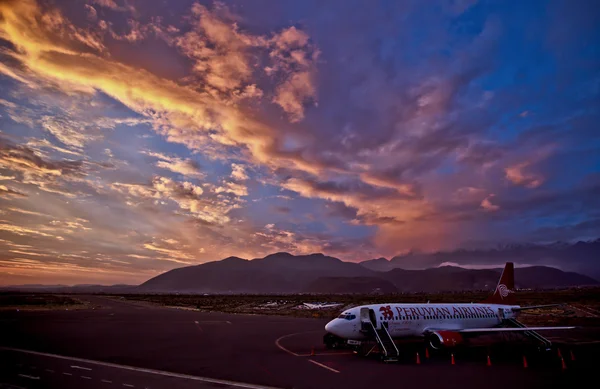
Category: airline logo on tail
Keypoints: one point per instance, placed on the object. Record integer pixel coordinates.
(505, 293)
(503, 290)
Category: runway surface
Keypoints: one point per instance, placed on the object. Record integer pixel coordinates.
(127, 345)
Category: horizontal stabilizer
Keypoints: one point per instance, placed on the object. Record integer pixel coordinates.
(514, 329)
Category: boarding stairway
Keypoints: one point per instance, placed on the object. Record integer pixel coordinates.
(384, 341)
(531, 334)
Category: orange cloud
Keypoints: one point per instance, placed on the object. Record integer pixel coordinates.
(487, 204)
(185, 167)
(518, 176)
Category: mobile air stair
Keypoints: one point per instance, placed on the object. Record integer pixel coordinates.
(384, 341)
(546, 343)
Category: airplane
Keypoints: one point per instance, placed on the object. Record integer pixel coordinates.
(441, 325)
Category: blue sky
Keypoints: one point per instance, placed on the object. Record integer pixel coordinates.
(136, 137)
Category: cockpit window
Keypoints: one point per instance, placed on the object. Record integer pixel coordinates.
(347, 316)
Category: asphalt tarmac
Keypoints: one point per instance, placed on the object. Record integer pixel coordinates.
(129, 345)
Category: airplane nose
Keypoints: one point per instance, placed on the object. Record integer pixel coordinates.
(329, 326)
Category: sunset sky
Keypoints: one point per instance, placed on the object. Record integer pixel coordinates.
(140, 136)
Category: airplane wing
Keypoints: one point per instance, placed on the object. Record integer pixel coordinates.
(536, 307)
(502, 329)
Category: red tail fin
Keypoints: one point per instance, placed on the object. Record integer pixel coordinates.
(505, 291)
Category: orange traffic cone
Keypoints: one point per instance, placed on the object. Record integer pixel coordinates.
(524, 361)
(312, 351)
(489, 362)
(563, 364)
(426, 352)
(418, 359)
(453, 359)
(572, 355)
(559, 354)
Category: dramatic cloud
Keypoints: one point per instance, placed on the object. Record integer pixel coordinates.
(137, 137)
(487, 204)
(518, 176)
(185, 167)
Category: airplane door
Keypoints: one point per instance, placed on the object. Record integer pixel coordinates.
(501, 315)
(364, 315)
(373, 318)
(365, 319)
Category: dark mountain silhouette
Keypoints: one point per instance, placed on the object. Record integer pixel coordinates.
(275, 273)
(378, 264)
(317, 273)
(580, 257)
(448, 279)
(83, 288)
(348, 285)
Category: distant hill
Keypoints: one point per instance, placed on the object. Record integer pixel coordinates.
(317, 273)
(275, 273)
(448, 278)
(120, 288)
(581, 257)
(349, 285)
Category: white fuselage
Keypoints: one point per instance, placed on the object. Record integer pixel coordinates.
(409, 320)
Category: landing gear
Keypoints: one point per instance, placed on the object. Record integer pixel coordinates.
(333, 342)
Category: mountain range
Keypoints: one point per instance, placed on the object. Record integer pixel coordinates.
(318, 273)
(581, 257)
(414, 272)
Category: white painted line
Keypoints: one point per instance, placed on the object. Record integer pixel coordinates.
(129, 386)
(278, 342)
(141, 369)
(49, 370)
(319, 354)
(29, 376)
(80, 368)
(283, 348)
(106, 381)
(85, 377)
(323, 366)
(196, 321)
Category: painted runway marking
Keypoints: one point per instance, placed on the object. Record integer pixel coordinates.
(80, 368)
(322, 354)
(29, 376)
(141, 369)
(323, 366)
(212, 321)
(106, 381)
(49, 370)
(278, 342)
(86, 377)
(129, 386)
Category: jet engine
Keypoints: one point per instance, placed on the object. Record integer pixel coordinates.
(442, 339)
